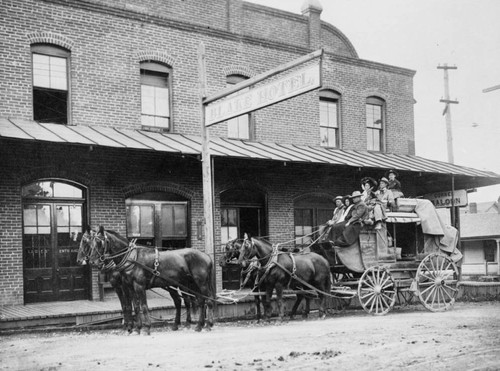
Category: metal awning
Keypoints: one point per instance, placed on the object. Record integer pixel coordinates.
(432, 175)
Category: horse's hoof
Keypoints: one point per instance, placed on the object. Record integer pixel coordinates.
(198, 328)
(175, 327)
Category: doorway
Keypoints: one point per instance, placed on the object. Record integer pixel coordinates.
(53, 212)
(242, 211)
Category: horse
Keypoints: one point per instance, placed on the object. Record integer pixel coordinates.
(123, 292)
(286, 269)
(249, 276)
(143, 268)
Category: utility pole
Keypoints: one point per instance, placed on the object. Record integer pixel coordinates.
(454, 212)
(447, 110)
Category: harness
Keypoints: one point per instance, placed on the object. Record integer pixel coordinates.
(273, 261)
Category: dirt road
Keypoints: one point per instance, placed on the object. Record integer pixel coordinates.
(465, 338)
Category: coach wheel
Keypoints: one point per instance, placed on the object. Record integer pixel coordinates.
(437, 282)
(377, 291)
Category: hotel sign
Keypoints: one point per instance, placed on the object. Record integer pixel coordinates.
(288, 86)
(443, 199)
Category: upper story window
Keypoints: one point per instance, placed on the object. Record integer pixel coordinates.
(329, 114)
(155, 96)
(375, 122)
(240, 127)
(50, 83)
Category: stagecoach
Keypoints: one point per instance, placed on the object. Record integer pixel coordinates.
(408, 257)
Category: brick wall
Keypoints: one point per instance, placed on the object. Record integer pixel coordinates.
(108, 39)
(106, 48)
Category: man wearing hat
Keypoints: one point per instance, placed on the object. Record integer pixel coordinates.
(394, 185)
(352, 227)
(337, 213)
(384, 194)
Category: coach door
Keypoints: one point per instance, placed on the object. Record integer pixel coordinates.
(53, 212)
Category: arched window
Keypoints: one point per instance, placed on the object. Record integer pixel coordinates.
(329, 118)
(240, 127)
(50, 83)
(155, 96)
(375, 123)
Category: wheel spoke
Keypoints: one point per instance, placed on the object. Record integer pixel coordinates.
(433, 297)
(370, 293)
(390, 284)
(370, 278)
(427, 289)
(382, 284)
(438, 295)
(446, 292)
(382, 300)
(374, 301)
(433, 270)
(449, 287)
(378, 307)
(366, 283)
(430, 283)
(443, 261)
(372, 296)
(389, 297)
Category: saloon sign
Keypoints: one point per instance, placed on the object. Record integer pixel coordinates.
(443, 199)
(290, 85)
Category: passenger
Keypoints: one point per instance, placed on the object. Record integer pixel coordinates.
(348, 231)
(376, 211)
(338, 211)
(394, 184)
(337, 214)
(347, 209)
(369, 186)
(385, 195)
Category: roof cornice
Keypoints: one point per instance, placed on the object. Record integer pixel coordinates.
(135, 14)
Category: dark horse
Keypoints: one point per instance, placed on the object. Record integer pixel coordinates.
(124, 292)
(249, 275)
(303, 271)
(143, 268)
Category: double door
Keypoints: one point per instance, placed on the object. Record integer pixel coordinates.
(51, 238)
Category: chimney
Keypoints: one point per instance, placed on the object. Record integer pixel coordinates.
(473, 208)
(313, 9)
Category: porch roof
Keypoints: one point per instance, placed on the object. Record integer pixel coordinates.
(433, 175)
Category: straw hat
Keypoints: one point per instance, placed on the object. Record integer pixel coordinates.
(355, 194)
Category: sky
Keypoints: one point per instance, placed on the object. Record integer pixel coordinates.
(421, 35)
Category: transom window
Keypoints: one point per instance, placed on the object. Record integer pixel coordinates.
(50, 83)
(329, 118)
(374, 123)
(239, 127)
(155, 96)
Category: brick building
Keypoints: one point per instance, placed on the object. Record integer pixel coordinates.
(100, 123)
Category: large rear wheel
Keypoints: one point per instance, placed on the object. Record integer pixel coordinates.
(377, 291)
(437, 282)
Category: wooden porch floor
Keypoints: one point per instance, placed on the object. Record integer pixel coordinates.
(79, 312)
